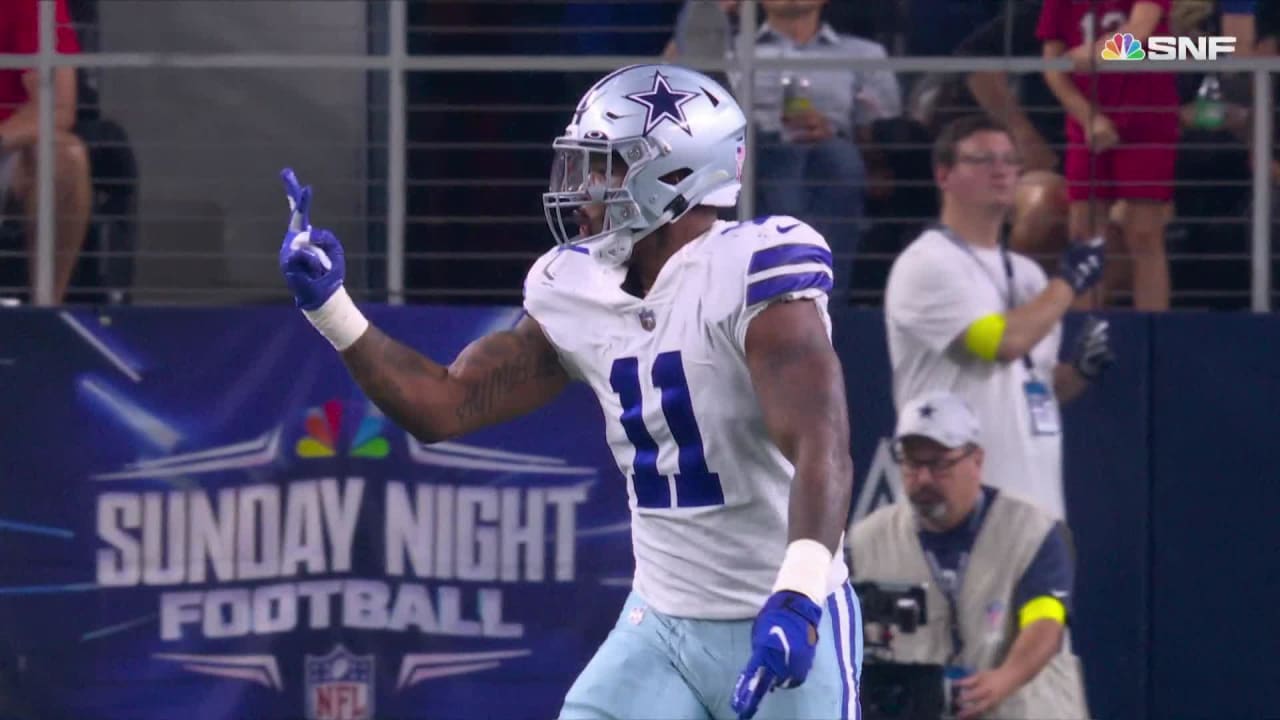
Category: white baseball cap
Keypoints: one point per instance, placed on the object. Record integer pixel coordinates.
(941, 416)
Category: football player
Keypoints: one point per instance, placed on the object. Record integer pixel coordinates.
(708, 346)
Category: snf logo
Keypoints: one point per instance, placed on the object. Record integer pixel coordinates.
(1125, 47)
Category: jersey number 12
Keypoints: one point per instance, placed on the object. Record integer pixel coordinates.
(696, 485)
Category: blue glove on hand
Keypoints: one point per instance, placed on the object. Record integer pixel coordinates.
(1081, 265)
(783, 641)
(313, 262)
(1092, 354)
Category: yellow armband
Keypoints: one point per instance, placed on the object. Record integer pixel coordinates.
(1043, 607)
(984, 335)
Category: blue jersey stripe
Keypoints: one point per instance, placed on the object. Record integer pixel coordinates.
(762, 290)
(789, 254)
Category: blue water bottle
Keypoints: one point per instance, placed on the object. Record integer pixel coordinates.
(951, 691)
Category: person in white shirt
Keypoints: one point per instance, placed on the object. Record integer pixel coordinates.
(965, 314)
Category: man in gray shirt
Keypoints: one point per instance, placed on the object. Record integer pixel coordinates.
(809, 120)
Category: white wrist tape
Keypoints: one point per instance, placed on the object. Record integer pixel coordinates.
(805, 568)
(339, 320)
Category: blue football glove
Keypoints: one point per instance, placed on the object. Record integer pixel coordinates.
(1081, 265)
(1092, 354)
(783, 641)
(312, 262)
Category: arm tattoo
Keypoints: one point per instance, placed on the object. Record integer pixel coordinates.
(388, 373)
(496, 377)
(513, 365)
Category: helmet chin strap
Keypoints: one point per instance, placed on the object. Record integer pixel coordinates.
(614, 250)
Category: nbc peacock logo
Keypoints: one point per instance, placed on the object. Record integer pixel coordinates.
(323, 428)
(1123, 47)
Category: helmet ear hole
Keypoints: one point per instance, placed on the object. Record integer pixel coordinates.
(674, 177)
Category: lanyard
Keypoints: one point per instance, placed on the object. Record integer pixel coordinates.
(949, 584)
(1007, 294)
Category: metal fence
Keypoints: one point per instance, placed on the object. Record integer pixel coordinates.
(371, 209)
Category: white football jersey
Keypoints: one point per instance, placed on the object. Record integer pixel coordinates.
(708, 488)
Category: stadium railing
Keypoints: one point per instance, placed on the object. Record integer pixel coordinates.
(397, 63)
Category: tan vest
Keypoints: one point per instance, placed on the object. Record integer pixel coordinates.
(886, 548)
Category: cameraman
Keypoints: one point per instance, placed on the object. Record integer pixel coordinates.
(997, 573)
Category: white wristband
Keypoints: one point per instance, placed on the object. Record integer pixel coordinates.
(339, 320)
(805, 568)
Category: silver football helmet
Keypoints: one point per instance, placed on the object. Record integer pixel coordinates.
(646, 143)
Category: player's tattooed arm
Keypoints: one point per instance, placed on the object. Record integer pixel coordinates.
(496, 378)
(800, 387)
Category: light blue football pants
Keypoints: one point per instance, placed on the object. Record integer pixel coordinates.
(658, 667)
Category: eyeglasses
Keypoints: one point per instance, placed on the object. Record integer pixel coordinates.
(936, 466)
(988, 160)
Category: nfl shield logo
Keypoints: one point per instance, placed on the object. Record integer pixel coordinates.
(339, 686)
(647, 320)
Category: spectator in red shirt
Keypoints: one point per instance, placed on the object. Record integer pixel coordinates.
(19, 121)
(1122, 132)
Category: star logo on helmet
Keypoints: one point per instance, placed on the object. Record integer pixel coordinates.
(663, 103)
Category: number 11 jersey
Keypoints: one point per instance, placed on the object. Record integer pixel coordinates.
(708, 488)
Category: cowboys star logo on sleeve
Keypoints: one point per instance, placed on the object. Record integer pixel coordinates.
(662, 102)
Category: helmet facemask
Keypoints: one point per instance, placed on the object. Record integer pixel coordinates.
(592, 173)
